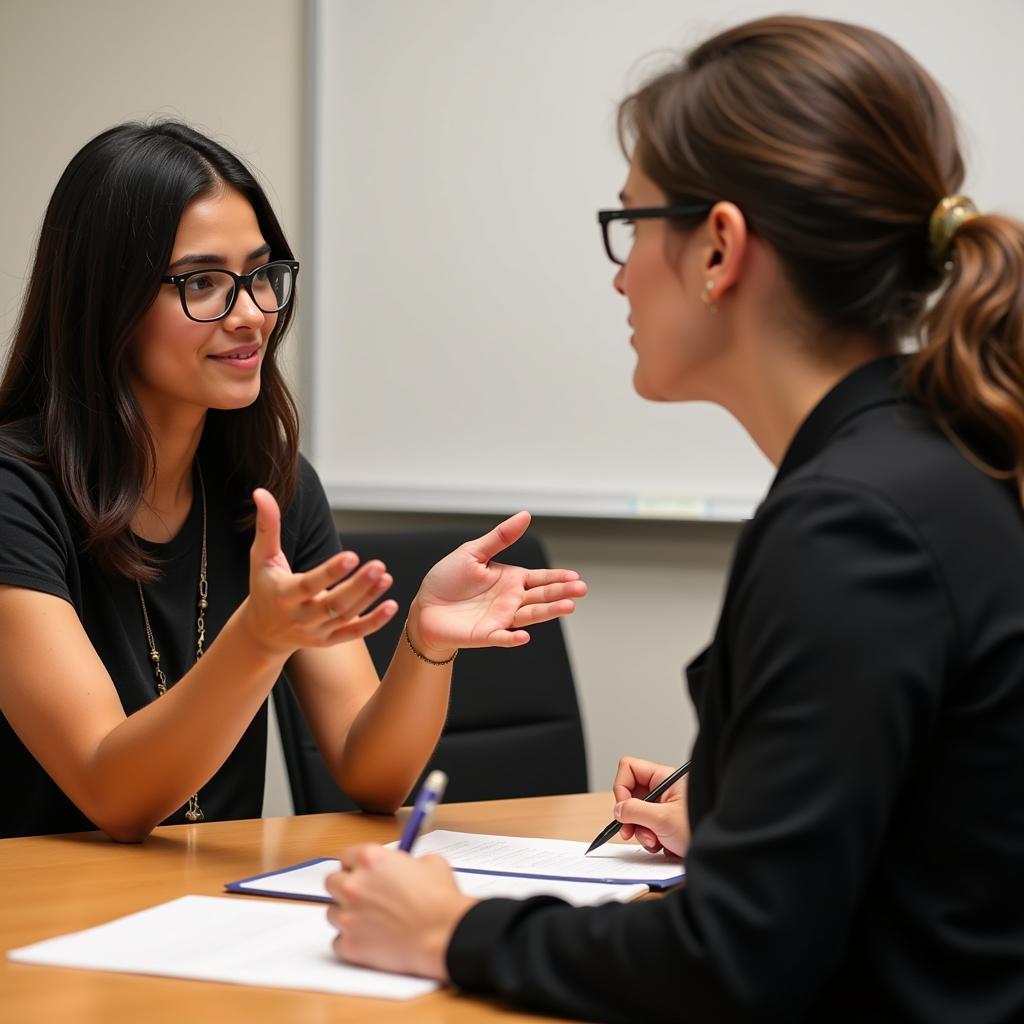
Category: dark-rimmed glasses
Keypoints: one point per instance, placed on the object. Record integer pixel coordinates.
(617, 225)
(208, 295)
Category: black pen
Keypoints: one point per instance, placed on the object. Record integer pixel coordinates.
(612, 829)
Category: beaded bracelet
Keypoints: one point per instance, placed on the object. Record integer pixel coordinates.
(423, 657)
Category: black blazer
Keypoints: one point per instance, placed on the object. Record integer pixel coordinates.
(857, 789)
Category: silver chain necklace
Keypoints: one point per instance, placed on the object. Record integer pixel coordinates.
(194, 812)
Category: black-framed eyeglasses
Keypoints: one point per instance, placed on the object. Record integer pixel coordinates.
(617, 225)
(208, 295)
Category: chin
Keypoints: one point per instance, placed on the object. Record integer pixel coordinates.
(644, 389)
(234, 402)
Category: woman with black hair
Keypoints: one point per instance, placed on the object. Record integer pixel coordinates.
(165, 552)
(853, 822)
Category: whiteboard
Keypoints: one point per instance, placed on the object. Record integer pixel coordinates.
(467, 351)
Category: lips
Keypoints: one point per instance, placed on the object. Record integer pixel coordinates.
(240, 353)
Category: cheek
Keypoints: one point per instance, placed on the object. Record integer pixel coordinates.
(164, 337)
(156, 327)
(648, 281)
(658, 307)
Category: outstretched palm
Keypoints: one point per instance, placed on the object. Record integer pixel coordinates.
(468, 600)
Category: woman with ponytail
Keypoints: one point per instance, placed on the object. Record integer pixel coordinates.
(794, 244)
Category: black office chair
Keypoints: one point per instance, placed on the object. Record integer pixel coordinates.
(513, 726)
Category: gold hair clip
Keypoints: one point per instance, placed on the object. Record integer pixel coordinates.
(949, 213)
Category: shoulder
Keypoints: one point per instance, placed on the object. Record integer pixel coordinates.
(21, 446)
(309, 491)
(309, 479)
(850, 530)
(37, 531)
(888, 512)
(896, 457)
(24, 476)
(820, 538)
(892, 466)
(307, 528)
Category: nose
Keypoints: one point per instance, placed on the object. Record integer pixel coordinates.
(617, 279)
(245, 313)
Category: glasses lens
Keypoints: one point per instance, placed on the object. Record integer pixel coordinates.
(208, 294)
(620, 239)
(272, 286)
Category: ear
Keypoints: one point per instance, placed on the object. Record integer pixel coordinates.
(725, 247)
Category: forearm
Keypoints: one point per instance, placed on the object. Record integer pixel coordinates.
(150, 763)
(647, 961)
(395, 732)
(614, 963)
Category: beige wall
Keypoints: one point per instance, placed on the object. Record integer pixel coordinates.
(70, 68)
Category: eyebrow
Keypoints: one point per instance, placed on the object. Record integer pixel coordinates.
(207, 259)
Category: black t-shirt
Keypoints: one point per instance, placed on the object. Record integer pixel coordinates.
(41, 549)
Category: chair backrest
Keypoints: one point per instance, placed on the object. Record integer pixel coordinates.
(513, 726)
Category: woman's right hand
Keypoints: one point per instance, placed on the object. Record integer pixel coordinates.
(660, 825)
(286, 611)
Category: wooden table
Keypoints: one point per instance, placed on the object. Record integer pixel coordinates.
(50, 885)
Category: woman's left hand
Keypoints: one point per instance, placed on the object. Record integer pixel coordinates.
(395, 912)
(468, 600)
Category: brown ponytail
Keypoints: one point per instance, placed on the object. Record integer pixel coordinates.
(969, 370)
(837, 145)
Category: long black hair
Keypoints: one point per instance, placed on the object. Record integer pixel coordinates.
(105, 242)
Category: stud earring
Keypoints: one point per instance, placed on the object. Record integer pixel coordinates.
(709, 287)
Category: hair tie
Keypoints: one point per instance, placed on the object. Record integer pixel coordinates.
(949, 213)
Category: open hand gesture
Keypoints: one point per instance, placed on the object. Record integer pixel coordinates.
(470, 600)
(327, 605)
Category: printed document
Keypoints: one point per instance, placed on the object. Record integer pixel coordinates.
(217, 938)
(551, 858)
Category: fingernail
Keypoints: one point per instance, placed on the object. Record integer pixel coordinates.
(373, 575)
(617, 810)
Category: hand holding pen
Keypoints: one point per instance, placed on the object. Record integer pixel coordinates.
(658, 820)
(392, 911)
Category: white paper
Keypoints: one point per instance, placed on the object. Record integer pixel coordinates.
(308, 881)
(217, 938)
(560, 857)
(580, 894)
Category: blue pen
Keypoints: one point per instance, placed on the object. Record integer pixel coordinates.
(427, 799)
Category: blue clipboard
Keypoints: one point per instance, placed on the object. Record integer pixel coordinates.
(245, 886)
(269, 890)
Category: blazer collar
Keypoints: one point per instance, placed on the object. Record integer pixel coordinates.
(876, 383)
